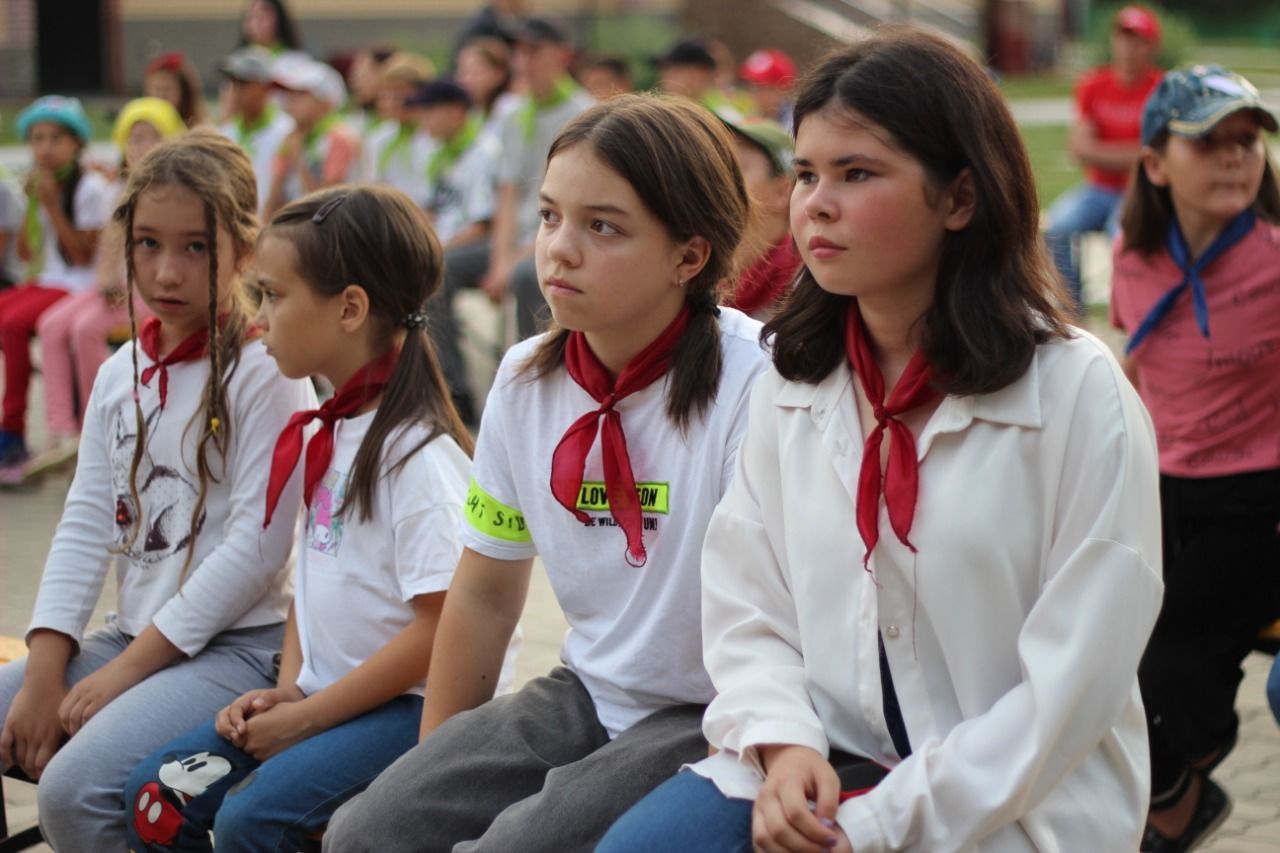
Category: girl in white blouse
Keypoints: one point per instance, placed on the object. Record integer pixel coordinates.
(928, 586)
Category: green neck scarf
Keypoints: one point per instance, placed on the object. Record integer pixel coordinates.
(398, 143)
(34, 228)
(316, 135)
(245, 130)
(447, 154)
(527, 113)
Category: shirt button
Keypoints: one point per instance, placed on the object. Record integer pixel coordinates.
(891, 632)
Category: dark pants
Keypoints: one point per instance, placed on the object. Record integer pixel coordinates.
(1222, 586)
(464, 267)
(532, 771)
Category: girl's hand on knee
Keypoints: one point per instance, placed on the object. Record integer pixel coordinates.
(89, 696)
(796, 808)
(232, 721)
(32, 731)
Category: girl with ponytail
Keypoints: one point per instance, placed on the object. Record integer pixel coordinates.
(604, 447)
(344, 275)
(177, 442)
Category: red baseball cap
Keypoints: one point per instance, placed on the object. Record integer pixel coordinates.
(768, 67)
(1140, 21)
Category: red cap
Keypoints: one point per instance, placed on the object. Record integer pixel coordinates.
(768, 67)
(1141, 22)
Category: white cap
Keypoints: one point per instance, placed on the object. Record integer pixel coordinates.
(300, 73)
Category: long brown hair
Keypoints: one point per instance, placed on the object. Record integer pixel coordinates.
(997, 295)
(219, 174)
(1148, 209)
(681, 162)
(376, 238)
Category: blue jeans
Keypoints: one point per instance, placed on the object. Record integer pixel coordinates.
(200, 782)
(687, 812)
(1078, 210)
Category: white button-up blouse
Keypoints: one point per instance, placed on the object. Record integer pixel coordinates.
(1013, 634)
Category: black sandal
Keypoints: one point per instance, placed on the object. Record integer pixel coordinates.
(1212, 809)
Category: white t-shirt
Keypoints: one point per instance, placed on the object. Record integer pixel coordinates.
(465, 194)
(405, 168)
(261, 143)
(92, 206)
(634, 633)
(239, 573)
(356, 578)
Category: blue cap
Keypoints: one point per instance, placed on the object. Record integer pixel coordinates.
(60, 110)
(1191, 102)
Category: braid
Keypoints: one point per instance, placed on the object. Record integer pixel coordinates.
(140, 438)
(209, 425)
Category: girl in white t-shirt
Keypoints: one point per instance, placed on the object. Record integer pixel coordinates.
(344, 275)
(173, 461)
(643, 205)
(927, 590)
(67, 206)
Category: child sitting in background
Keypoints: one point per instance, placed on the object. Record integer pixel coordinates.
(765, 150)
(73, 334)
(67, 207)
(320, 151)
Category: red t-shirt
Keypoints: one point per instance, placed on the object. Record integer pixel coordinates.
(1215, 401)
(1115, 111)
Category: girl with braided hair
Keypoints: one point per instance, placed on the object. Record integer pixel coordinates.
(344, 275)
(173, 463)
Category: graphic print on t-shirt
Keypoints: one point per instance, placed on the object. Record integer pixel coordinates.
(167, 495)
(324, 521)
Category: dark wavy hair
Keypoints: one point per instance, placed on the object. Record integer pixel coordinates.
(997, 295)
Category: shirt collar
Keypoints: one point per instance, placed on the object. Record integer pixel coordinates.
(1017, 404)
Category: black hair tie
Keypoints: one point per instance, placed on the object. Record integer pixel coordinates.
(414, 320)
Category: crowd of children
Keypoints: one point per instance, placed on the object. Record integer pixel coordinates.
(794, 621)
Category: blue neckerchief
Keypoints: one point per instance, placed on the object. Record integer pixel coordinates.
(1236, 230)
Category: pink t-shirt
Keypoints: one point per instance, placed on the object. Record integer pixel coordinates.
(1215, 401)
(1115, 111)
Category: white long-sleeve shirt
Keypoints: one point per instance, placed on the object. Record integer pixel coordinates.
(1013, 635)
(239, 573)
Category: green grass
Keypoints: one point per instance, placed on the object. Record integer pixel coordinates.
(1054, 169)
(1036, 86)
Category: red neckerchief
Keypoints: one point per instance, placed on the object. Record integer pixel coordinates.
(570, 457)
(902, 475)
(764, 282)
(364, 385)
(192, 348)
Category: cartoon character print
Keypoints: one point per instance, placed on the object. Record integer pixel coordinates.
(157, 812)
(168, 496)
(324, 522)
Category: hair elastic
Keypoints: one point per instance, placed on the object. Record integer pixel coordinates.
(327, 208)
(414, 320)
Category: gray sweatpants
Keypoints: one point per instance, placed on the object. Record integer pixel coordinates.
(531, 771)
(80, 798)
